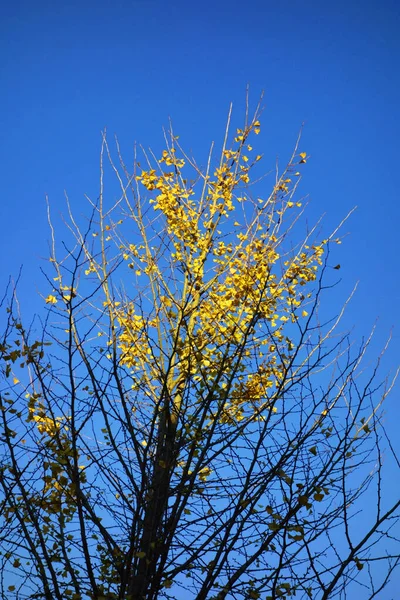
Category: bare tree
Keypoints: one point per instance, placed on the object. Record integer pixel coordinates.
(188, 421)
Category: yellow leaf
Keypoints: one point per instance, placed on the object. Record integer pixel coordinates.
(304, 313)
(15, 380)
(51, 299)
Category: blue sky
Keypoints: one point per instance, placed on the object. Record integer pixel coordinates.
(71, 68)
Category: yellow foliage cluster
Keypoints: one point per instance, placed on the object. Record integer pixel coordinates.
(59, 490)
(238, 289)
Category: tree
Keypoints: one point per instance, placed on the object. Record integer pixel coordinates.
(187, 422)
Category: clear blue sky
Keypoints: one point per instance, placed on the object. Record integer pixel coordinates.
(70, 68)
